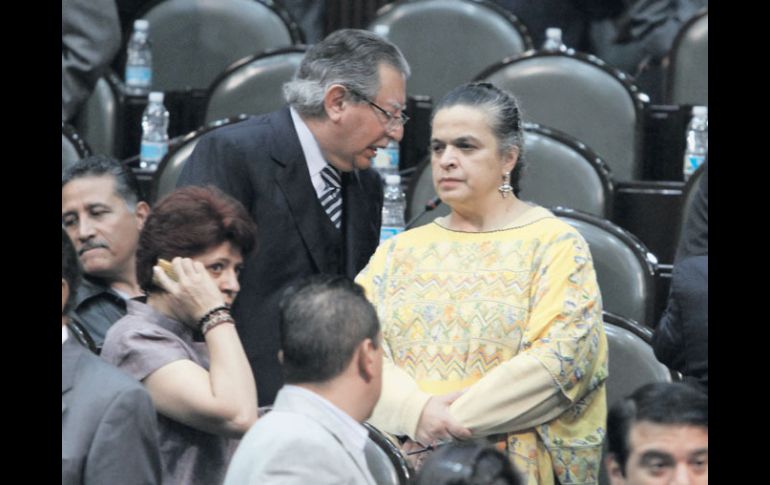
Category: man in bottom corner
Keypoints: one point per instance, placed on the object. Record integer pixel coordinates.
(659, 435)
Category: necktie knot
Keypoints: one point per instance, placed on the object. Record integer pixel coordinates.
(331, 177)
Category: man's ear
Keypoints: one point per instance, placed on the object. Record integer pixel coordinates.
(280, 356)
(141, 212)
(366, 356)
(335, 101)
(614, 472)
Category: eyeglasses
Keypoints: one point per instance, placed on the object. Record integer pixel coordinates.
(393, 122)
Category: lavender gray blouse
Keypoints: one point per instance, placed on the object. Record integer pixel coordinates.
(140, 343)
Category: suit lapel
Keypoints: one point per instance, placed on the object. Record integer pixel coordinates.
(70, 356)
(356, 220)
(293, 178)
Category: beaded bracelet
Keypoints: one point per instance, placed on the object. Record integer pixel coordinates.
(211, 312)
(217, 318)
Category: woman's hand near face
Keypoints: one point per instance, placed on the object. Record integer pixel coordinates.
(195, 292)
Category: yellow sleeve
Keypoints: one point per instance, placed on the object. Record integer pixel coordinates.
(401, 401)
(564, 348)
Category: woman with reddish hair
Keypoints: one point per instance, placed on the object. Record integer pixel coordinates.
(181, 342)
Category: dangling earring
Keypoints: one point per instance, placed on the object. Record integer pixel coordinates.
(506, 188)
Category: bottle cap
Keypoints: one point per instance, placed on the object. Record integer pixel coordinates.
(156, 97)
(393, 179)
(553, 33)
(141, 24)
(700, 111)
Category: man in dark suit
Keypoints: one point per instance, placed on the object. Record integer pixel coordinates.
(108, 423)
(302, 172)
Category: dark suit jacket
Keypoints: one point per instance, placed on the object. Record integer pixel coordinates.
(681, 339)
(260, 163)
(109, 430)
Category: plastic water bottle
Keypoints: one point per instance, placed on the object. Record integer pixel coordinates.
(386, 161)
(154, 132)
(697, 140)
(553, 40)
(139, 60)
(393, 208)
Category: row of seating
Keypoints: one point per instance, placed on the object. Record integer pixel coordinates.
(573, 92)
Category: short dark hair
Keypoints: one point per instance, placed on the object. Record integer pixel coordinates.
(186, 223)
(468, 463)
(504, 117)
(126, 185)
(70, 269)
(660, 403)
(323, 320)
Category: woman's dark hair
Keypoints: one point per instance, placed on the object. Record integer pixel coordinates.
(187, 222)
(468, 463)
(503, 113)
(70, 269)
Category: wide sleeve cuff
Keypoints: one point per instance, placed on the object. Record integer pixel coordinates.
(401, 402)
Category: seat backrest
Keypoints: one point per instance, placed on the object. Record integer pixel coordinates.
(447, 42)
(632, 364)
(582, 96)
(625, 268)
(253, 85)
(98, 118)
(73, 147)
(687, 79)
(632, 361)
(165, 178)
(385, 461)
(560, 171)
(195, 40)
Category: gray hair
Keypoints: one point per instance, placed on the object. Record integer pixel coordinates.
(350, 57)
(126, 185)
(503, 114)
(323, 320)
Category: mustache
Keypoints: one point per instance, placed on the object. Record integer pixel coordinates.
(92, 245)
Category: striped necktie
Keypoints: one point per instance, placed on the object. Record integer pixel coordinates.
(331, 199)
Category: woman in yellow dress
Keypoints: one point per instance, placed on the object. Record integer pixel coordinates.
(491, 316)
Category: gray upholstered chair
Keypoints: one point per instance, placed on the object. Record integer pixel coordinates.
(195, 40)
(448, 41)
(73, 147)
(687, 79)
(560, 171)
(632, 363)
(385, 460)
(625, 268)
(165, 178)
(97, 120)
(582, 96)
(254, 84)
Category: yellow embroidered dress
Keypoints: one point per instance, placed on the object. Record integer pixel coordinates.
(514, 316)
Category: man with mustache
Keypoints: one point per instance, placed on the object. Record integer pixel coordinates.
(103, 213)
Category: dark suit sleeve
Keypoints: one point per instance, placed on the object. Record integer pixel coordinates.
(220, 160)
(125, 447)
(667, 340)
(695, 233)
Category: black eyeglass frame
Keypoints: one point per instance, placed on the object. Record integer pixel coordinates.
(393, 120)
